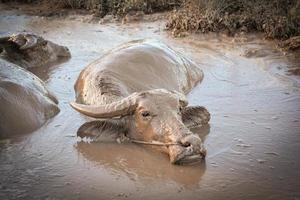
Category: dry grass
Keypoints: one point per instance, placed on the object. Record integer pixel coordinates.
(278, 19)
(115, 7)
(120, 7)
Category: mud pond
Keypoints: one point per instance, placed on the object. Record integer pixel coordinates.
(253, 142)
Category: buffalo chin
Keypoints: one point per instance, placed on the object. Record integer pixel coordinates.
(180, 156)
(193, 159)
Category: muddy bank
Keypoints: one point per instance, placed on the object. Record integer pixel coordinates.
(277, 20)
(252, 143)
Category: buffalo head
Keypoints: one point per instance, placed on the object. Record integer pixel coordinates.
(154, 115)
(29, 50)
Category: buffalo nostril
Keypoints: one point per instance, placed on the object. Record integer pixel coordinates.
(186, 144)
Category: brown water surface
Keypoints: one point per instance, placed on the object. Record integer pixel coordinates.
(253, 142)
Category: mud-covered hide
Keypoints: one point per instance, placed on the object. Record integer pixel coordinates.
(29, 50)
(136, 66)
(25, 103)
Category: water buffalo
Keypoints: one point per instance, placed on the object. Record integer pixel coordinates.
(25, 103)
(29, 50)
(139, 89)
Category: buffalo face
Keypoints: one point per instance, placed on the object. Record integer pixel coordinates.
(154, 116)
(29, 50)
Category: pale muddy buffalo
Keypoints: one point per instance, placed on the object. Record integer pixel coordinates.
(139, 90)
(25, 103)
(28, 50)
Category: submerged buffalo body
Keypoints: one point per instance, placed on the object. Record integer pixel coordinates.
(141, 88)
(25, 102)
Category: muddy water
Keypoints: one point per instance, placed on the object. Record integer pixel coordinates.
(253, 141)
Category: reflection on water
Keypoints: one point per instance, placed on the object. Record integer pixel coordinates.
(253, 139)
(139, 162)
(44, 72)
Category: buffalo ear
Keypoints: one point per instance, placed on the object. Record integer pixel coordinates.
(102, 130)
(194, 116)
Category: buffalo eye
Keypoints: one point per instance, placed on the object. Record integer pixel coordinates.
(44, 43)
(145, 114)
(180, 110)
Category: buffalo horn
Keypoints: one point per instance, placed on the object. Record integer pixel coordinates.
(115, 109)
(31, 41)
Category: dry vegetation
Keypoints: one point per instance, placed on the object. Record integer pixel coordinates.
(115, 7)
(120, 7)
(277, 19)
